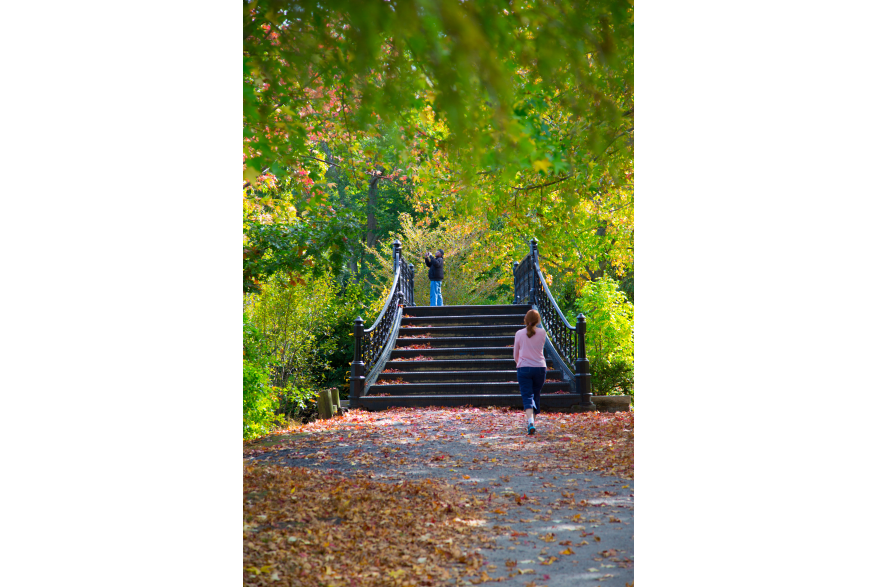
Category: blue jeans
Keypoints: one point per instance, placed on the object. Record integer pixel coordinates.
(435, 293)
(531, 380)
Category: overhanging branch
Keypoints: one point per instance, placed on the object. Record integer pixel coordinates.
(542, 185)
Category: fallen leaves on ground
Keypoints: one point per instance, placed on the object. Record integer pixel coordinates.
(313, 528)
(592, 441)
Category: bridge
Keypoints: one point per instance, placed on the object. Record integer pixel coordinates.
(463, 355)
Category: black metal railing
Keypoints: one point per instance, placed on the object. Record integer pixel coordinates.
(569, 341)
(371, 346)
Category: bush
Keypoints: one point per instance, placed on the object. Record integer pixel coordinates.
(260, 401)
(609, 343)
(296, 401)
(306, 322)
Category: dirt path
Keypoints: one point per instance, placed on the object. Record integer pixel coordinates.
(558, 505)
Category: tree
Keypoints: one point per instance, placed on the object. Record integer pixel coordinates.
(468, 278)
(471, 63)
(520, 112)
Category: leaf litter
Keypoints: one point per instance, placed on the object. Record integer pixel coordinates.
(390, 529)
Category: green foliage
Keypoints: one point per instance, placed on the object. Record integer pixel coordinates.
(306, 324)
(294, 400)
(260, 400)
(520, 113)
(314, 243)
(609, 343)
(355, 301)
(486, 69)
(295, 318)
(468, 279)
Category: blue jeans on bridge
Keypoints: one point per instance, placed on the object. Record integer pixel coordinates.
(435, 293)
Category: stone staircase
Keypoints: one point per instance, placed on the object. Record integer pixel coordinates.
(456, 356)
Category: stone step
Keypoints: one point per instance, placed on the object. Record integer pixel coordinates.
(460, 376)
(376, 403)
(471, 388)
(416, 311)
(469, 364)
(457, 341)
(455, 353)
(464, 331)
(475, 320)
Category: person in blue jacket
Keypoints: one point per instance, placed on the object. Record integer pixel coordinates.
(436, 276)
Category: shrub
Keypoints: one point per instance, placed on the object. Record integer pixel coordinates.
(609, 343)
(306, 322)
(294, 316)
(260, 401)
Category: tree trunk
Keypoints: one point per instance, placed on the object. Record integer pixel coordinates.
(334, 174)
(371, 224)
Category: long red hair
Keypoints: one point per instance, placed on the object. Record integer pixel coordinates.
(531, 320)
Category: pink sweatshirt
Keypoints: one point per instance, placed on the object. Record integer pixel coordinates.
(528, 351)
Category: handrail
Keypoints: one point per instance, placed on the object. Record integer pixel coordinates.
(371, 346)
(531, 288)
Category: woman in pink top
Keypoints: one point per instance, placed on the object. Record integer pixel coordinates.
(531, 365)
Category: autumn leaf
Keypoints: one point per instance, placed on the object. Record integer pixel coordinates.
(542, 165)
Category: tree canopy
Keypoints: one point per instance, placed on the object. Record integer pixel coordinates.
(517, 113)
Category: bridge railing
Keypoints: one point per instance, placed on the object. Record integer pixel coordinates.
(567, 341)
(372, 346)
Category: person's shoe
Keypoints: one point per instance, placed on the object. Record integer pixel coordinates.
(531, 429)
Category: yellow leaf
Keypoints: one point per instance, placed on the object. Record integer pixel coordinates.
(542, 165)
(567, 551)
